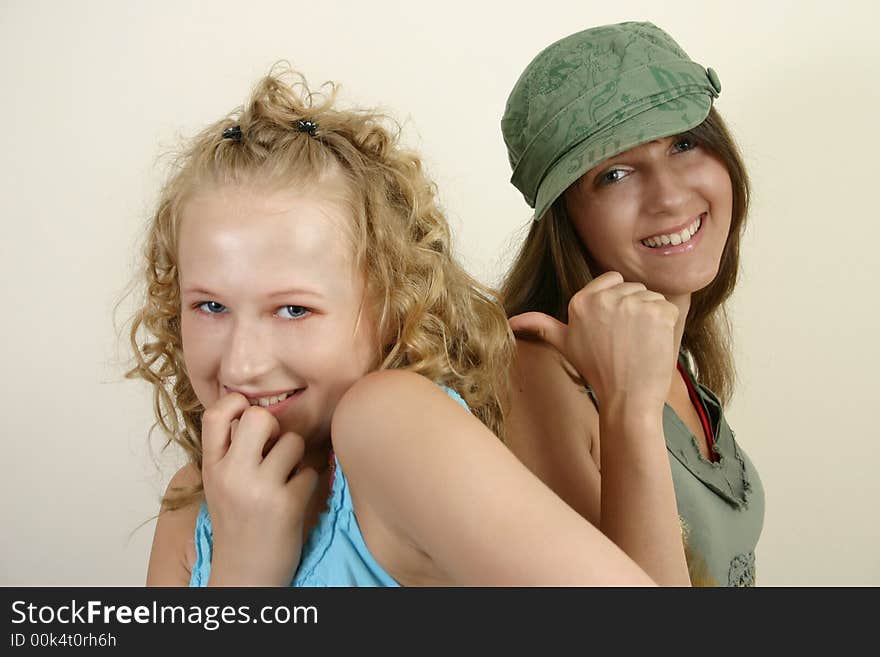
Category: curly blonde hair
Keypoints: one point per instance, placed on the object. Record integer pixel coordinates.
(433, 317)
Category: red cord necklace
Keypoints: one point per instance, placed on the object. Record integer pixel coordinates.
(704, 417)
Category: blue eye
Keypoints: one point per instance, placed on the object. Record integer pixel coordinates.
(211, 307)
(292, 312)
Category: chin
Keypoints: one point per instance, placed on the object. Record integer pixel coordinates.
(684, 283)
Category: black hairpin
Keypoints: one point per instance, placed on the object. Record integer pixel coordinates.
(304, 125)
(233, 133)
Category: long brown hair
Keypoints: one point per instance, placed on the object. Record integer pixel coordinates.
(552, 265)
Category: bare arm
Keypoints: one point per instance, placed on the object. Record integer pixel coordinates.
(444, 482)
(173, 552)
(639, 511)
(620, 338)
(553, 427)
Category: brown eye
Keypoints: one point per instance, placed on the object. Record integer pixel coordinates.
(612, 176)
(685, 144)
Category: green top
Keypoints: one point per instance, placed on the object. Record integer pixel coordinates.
(720, 504)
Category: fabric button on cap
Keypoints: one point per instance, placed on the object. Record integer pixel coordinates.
(714, 79)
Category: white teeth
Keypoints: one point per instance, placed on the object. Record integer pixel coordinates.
(268, 401)
(675, 238)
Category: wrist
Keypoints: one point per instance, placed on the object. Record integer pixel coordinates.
(237, 573)
(632, 434)
(638, 411)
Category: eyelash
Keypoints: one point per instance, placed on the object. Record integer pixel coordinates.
(201, 307)
(690, 141)
(605, 179)
(305, 312)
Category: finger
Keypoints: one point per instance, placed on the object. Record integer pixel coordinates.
(658, 303)
(216, 426)
(626, 289)
(648, 295)
(539, 325)
(606, 280)
(256, 426)
(302, 485)
(284, 456)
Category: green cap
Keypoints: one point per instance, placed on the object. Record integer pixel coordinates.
(593, 95)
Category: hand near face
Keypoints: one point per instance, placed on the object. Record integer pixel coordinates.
(620, 338)
(256, 494)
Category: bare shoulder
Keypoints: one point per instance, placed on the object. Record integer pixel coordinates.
(442, 501)
(553, 427)
(386, 417)
(396, 435)
(537, 364)
(385, 397)
(547, 393)
(173, 551)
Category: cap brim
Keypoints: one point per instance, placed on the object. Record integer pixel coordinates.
(655, 123)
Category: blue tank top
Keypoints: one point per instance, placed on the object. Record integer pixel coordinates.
(335, 553)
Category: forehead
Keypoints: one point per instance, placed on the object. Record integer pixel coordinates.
(249, 233)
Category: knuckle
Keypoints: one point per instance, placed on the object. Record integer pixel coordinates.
(258, 417)
(252, 413)
(291, 443)
(632, 304)
(604, 299)
(579, 299)
(212, 416)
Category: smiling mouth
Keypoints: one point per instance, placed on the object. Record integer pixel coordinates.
(272, 399)
(674, 239)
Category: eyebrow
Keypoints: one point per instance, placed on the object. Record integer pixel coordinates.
(295, 291)
(203, 292)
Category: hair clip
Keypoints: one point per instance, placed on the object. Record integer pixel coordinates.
(233, 133)
(304, 125)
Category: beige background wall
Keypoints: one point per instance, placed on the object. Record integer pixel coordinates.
(94, 92)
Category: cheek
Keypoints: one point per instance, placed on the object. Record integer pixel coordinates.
(722, 207)
(716, 186)
(198, 347)
(603, 234)
(332, 352)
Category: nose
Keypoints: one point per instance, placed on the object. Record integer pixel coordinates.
(667, 190)
(248, 355)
